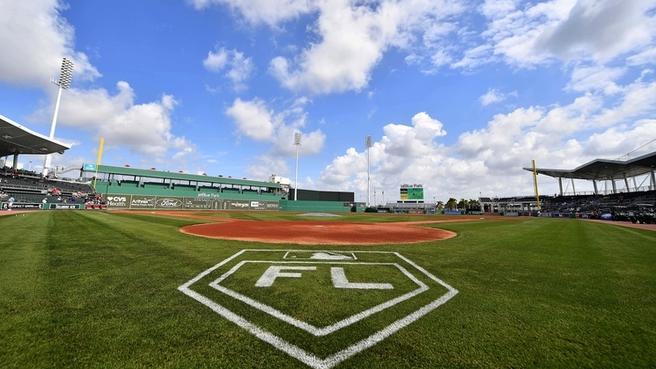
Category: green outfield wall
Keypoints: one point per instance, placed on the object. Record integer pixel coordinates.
(131, 188)
(315, 206)
(131, 195)
(126, 201)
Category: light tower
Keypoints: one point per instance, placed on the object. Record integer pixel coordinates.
(297, 143)
(368, 144)
(64, 83)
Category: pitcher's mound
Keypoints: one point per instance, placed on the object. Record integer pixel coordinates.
(316, 232)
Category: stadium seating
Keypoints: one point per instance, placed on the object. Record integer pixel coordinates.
(29, 188)
(632, 206)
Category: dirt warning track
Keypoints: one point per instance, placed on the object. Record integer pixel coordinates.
(317, 232)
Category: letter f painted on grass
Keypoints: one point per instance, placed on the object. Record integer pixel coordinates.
(274, 272)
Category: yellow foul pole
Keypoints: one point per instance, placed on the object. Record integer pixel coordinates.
(535, 184)
(101, 147)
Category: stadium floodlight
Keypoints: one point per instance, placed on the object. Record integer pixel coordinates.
(368, 143)
(64, 83)
(535, 184)
(297, 143)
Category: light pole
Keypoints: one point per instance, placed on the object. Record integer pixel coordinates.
(368, 144)
(64, 82)
(297, 143)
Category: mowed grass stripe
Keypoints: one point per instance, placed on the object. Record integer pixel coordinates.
(96, 290)
(23, 290)
(109, 298)
(543, 293)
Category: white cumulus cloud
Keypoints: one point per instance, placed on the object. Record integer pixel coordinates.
(238, 66)
(493, 96)
(35, 38)
(143, 128)
(269, 12)
(255, 120)
(489, 160)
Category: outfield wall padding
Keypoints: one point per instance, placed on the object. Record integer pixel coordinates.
(315, 206)
(126, 201)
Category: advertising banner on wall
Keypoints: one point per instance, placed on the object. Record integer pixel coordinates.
(249, 205)
(155, 202)
(117, 201)
(142, 202)
(233, 204)
(168, 203)
(64, 206)
(25, 205)
(197, 204)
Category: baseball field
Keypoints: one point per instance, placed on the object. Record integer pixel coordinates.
(83, 289)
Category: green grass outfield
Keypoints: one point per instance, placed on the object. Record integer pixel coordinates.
(98, 290)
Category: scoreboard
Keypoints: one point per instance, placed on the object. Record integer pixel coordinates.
(412, 192)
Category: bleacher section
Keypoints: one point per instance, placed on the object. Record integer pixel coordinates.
(633, 206)
(626, 200)
(124, 187)
(29, 190)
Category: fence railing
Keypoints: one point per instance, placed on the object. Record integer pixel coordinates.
(608, 191)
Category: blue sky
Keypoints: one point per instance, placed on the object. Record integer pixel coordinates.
(457, 95)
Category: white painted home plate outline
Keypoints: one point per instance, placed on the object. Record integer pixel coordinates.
(298, 353)
(326, 255)
(316, 331)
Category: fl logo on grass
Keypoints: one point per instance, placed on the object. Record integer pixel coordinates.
(320, 307)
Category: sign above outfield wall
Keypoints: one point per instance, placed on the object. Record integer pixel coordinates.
(208, 196)
(168, 202)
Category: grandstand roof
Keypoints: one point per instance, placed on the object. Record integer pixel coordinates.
(16, 139)
(604, 169)
(149, 173)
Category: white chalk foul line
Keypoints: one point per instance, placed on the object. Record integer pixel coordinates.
(297, 352)
(316, 331)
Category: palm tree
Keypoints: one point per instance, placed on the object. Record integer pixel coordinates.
(474, 205)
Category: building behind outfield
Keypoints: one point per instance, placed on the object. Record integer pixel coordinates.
(132, 188)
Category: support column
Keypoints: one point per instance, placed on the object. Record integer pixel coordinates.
(635, 185)
(15, 164)
(612, 181)
(573, 188)
(626, 184)
(560, 185)
(653, 180)
(594, 184)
